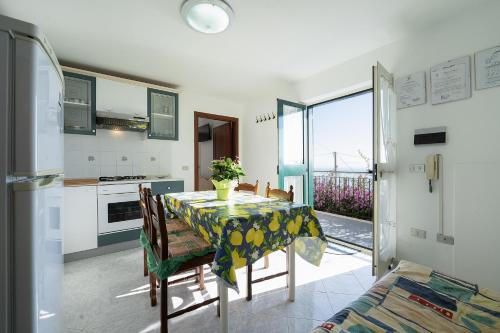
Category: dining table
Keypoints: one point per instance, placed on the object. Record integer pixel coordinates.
(246, 228)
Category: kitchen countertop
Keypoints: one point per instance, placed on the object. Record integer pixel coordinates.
(95, 182)
(138, 181)
(80, 182)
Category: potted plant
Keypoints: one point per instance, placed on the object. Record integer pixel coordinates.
(226, 174)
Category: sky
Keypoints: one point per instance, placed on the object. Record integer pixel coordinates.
(344, 126)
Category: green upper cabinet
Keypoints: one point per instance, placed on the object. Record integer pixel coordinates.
(163, 111)
(79, 104)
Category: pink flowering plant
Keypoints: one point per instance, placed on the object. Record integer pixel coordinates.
(344, 196)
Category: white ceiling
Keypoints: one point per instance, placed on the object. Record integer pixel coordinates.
(268, 40)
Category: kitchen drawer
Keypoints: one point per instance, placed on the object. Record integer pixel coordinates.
(120, 188)
(167, 187)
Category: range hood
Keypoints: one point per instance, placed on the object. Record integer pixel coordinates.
(121, 122)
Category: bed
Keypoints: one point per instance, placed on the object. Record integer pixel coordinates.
(414, 298)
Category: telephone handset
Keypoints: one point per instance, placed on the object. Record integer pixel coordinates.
(432, 169)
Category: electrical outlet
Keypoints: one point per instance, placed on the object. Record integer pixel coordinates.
(417, 168)
(418, 233)
(445, 239)
(185, 168)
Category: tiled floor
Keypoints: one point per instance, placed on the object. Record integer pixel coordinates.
(109, 294)
(350, 230)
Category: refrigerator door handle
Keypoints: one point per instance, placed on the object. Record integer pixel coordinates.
(38, 183)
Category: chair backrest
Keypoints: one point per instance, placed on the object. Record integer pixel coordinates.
(158, 226)
(144, 208)
(280, 194)
(248, 187)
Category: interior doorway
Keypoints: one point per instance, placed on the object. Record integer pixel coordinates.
(215, 136)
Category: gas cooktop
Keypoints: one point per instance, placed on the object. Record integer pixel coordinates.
(120, 178)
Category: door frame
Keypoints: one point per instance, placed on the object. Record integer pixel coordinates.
(310, 119)
(308, 142)
(234, 122)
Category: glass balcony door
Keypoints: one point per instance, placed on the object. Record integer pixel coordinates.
(293, 133)
(384, 158)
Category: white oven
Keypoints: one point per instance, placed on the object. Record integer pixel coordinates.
(118, 207)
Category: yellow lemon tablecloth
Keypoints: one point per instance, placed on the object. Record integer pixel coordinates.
(248, 227)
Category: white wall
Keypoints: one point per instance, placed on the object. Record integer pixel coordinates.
(260, 148)
(471, 155)
(169, 157)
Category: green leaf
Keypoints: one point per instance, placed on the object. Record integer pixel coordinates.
(226, 168)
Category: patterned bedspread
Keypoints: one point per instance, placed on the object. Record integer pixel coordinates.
(414, 298)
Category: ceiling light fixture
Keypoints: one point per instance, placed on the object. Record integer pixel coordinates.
(207, 16)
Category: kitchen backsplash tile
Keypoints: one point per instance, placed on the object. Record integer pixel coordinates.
(125, 170)
(124, 158)
(74, 157)
(115, 153)
(108, 171)
(92, 171)
(108, 158)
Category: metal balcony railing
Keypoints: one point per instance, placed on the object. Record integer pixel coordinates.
(344, 195)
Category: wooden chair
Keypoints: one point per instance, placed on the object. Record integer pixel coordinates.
(174, 225)
(270, 193)
(168, 246)
(145, 227)
(248, 187)
(280, 194)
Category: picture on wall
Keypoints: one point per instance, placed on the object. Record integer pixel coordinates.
(451, 81)
(487, 65)
(411, 90)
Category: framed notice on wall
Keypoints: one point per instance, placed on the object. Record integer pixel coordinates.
(450, 81)
(487, 68)
(410, 90)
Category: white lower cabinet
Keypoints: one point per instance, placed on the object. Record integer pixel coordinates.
(80, 218)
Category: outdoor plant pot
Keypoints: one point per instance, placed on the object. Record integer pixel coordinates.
(224, 188)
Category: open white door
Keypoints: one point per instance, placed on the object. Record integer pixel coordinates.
(384, 158)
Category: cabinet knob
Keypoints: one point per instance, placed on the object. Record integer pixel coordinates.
(168, 187)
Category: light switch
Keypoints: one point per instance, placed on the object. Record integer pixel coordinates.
(446, 239)
(185, 168)
(416, 168)
(419, 233)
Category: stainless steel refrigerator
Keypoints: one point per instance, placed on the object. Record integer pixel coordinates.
(31, 169)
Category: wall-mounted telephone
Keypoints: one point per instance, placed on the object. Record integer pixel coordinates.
(432, 169)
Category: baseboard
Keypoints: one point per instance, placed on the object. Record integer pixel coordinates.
(102, 250)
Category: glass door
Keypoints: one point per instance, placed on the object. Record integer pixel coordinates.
(163, 110)
(79, 104)
(118, 212)
(293, 134)
(384, 157)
